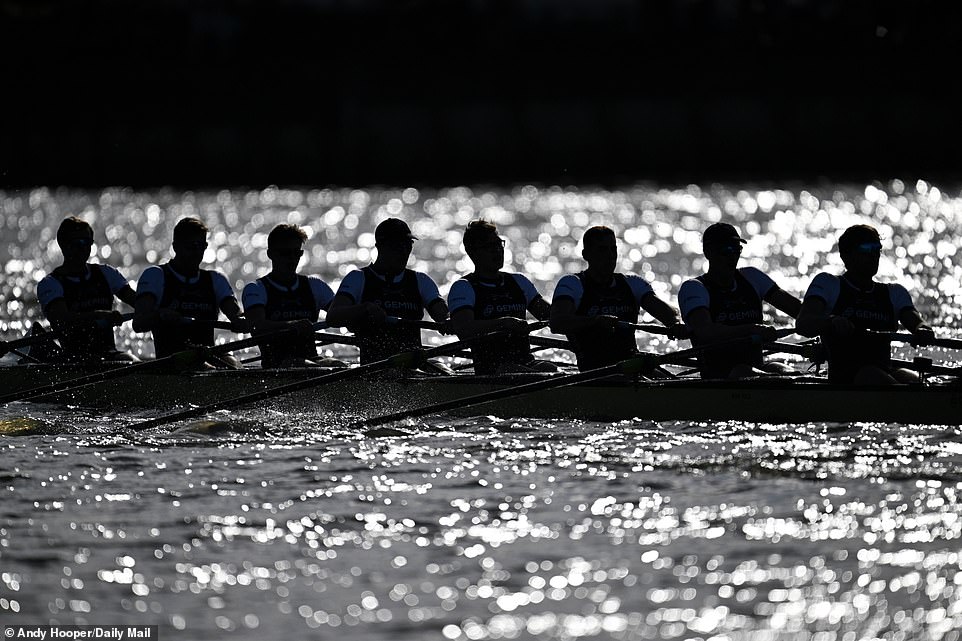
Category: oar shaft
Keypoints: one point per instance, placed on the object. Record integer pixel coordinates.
(487, 397)
(6, 346)
(900, 337)
(185, 359)
(641, 364)
(398, 360)
(645, 327)
(928, 368)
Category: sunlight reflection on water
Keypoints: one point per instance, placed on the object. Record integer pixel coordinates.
(286, 524)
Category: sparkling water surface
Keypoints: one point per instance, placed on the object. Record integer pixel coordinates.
(287, 524)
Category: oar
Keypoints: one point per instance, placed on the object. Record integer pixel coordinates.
(9, 346)
(645, 327)
(320, 338)
(901, 337)
(642, 364)
(34, 339)
(423, 324)
(216, 324)
(404, 359)
(24, 356)
(109, 322)
(926, 366)
(179, 360)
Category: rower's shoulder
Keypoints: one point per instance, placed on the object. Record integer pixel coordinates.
(151, 273)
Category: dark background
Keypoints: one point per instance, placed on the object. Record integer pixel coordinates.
(308, 92)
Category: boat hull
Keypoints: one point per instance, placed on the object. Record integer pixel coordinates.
(769, 400)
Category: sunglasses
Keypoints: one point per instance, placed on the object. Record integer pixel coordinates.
(733, 249)
(869, 248)
(288, 253)
(192, 244)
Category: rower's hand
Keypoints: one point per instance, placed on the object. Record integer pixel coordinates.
(303, 327)
(839, 326)
(170, 317)
(924, 332)
(446, 327)
(511, 324)
(374, 314)
(767, 333)
(605, 322)
(240, 325)
(679, 331)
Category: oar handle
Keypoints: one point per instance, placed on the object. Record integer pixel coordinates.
(423, 324)
(409, 322)
(110, 322)
(644, 327)
(200, 322)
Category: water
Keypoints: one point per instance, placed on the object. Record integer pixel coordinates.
(288, 525)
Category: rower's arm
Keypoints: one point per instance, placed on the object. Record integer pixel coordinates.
(146, 314)
(438, 311)
(127, 295)
(540, 308)
(232, 310)
(565, 320)
(913, 321)
(704, 329)
(814, 319)
(785, 302)
(466, 326)
(662, 311)
(344, 312)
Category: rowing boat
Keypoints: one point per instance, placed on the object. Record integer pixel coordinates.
(772, 400)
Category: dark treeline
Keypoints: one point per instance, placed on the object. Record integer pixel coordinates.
(209, 92)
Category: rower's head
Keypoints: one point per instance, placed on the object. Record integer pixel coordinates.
(190, 242)
(394, 242)
(285, 246)
(600, 249)
(484, 246)
(722, 245)
(860, 247)
(75, 237)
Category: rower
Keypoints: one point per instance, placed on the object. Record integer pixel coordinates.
(726, 303)
(179, 302)
(840, 308)
(490, 300)
(284, 299)
(78, 297)
(386, 288)
(593, 306)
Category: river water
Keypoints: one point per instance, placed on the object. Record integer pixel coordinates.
(290, 526)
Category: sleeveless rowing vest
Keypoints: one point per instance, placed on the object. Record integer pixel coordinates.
(401, 299)
(739, 306)
(595, 350)
(286, 305)
(87, 295)
(493, 302)
(196, 300)
(870, 310)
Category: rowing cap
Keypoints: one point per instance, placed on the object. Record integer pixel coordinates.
(721, 234)
(393, 230)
